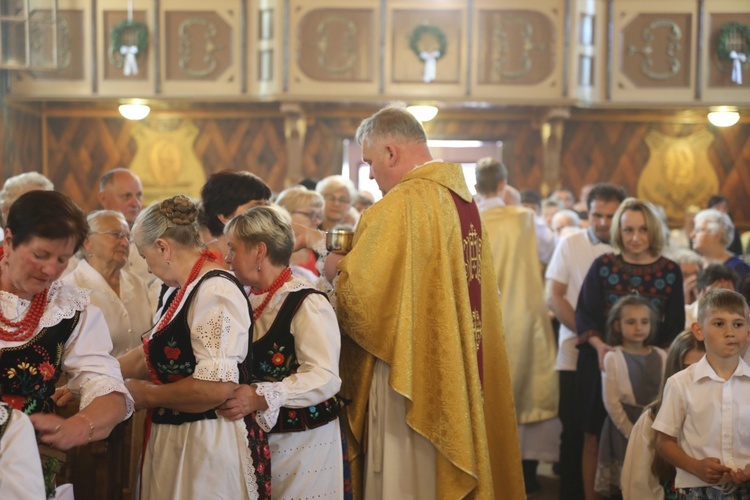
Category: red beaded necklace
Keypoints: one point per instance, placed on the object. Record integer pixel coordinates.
(25, 328)
(285, 276)
(205, 255)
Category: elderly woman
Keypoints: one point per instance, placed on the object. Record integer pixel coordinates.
(636, 267)
(190, 364)
(306, 209)
(296, 343)
(48, 328)
(224, 195)
(338, 192)
(711, 236)
(121, 295)
(17, 185)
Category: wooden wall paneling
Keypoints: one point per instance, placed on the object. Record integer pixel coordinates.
(21, 134)
(74, 78)
(265, 47)
(201, 48)
(654, 48)
(587, 55)
(334, 48)
(404, 70)
(81, 149)
(717, 87)
(518, 52)
(711, 159)
(111, 80)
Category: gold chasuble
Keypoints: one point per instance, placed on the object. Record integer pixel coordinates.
(528, 332)
(402, 297)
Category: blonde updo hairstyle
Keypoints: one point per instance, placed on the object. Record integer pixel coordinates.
(266, 224)
(175, 218)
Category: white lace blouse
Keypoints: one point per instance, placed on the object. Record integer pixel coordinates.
(92, 372)
(128, 316)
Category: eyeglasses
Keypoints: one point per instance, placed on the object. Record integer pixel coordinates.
(309, 215)
(118, 235)
(333, 199)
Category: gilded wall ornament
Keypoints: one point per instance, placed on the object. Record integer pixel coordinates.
(673, 48)
(678, 172)
(347, 47)
(500, 41)
(186, 46)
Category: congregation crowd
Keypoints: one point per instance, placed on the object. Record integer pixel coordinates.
(459, 342)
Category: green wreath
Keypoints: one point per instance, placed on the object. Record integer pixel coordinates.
(721, 46)
(119, 31)
(427, 29)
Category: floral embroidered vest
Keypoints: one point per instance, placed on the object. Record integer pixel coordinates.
(274, 359)
(170, 355)
(29, 372)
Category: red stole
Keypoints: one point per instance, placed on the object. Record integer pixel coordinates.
(471, 236)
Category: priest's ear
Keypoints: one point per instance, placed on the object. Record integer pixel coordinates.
(392, 154)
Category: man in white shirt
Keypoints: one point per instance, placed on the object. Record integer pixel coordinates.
(565, 274)
(121, 190)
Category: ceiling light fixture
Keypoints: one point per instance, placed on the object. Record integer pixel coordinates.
(423, 113)
(723, 116)
(134, 111)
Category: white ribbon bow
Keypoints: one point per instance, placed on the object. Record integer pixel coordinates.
(131, 65)
(430, 64)
(738, 59)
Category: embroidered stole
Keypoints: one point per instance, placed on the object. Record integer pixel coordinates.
(471, 236)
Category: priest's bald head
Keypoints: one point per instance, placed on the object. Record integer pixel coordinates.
(393, 143)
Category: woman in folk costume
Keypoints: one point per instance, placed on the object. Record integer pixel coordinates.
(296, 344)
(189, 365)
(48, 328)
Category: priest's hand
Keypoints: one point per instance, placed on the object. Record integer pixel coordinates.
(306, 237)
(244, 401)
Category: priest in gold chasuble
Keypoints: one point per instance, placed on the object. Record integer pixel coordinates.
(424, 360)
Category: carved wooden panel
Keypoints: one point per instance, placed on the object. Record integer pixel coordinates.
(518, 51)
(20, 141)
(654, 51)
(520, 47)
(426, 49)
(201, 47)
(74, 56)
(657, 50)
(334, 48)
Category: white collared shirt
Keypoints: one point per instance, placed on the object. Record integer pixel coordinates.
(710, 417)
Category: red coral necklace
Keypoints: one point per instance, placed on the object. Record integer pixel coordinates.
(285, 276)
(25, 328)
(205, 255)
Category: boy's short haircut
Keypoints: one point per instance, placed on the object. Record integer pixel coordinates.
(716, 272)
(722, 300)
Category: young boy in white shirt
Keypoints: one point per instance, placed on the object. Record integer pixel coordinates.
(703, 427)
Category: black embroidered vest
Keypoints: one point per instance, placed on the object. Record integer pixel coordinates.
(274, 359)
(170, 355)
(29, 372)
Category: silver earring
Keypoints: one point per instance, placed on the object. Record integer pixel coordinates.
(258, 266)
